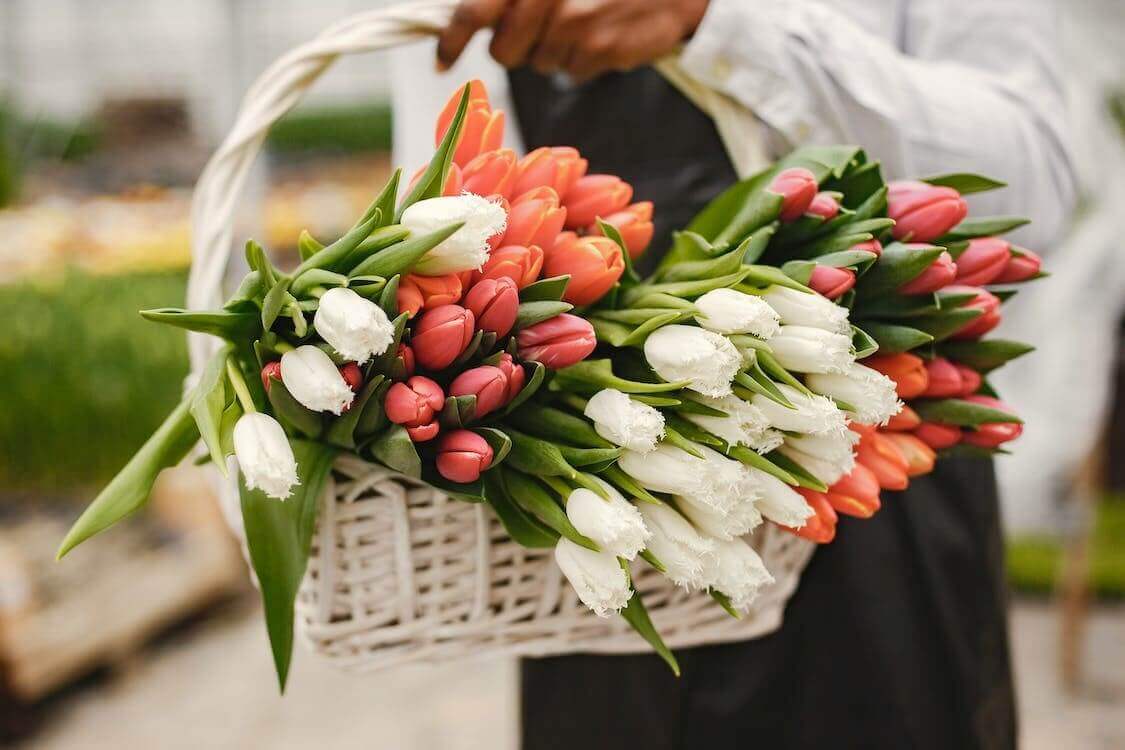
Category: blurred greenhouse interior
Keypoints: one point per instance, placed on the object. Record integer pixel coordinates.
(109, 110)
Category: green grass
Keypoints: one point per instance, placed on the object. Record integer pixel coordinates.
(342, 129)
(84, 379)
(1034, 562)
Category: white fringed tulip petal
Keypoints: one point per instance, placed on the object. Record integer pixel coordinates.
(727, 311)
(355, 327)
(265, 457)
(597, 577)
(682, 550)
(736, 570)
(704, 358)
(615, 524)
(312, 379)
(869, 392)
(812, 350)
(804, 309)
(467, 248)
(625, 422)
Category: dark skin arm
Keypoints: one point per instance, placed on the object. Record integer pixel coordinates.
(583, 38)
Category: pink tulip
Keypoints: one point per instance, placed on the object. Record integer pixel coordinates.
(936, 276)
(462, 456)
(515, 374)
(797, 188)
(944, 379)
(483, 129)
(495, 304)
(425, 292)
(823, 205)
(556, 167)
(831, 282)
(982, 261)
(559, 342)
(1020, 267)
(489, 384)
(271, 370)
(634, 224)
(403, 366)
(938, 435)
(992, 434)
(923, 212)
(352, 375)
(441, 335)
(594, 265)
(595, 195)
(416, 405)
(519, 263)
(986, 301)
(871, 246)
(490, 173)
(535, 219)
(970, 380)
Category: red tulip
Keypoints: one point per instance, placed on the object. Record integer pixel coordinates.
(270, 370)
(634, 224)
(352, 375)
(970, 380)
(535, 219)
(489, 384)
(416, 405)
(483, 129)
(559, 342)
(462, 456)
(495, 304)
(595, 195)
(871, 246)
(831, 282)
(441, 335)
(556, 167)
(490, 173)
(515, 374)
(936, 276)
(919, 456)
(907, 419)
(519, 263)
(907, 370)
(982, 261)
(797, 188)
(923, 212)
(992, 434)
(1021, 267)
(986, 301)
(944, 379)
(452, 185)
(820, 527)
(403, 366)
(824, 205)
(857, 494)
(937, 435)
(416, 293)
(594, 265)
(884, 460)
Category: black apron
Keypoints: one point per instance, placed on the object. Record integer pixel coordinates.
(897, 634)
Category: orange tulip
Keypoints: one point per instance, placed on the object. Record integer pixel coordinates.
(945, 379)
(594, 265)
(483, 129)
(535, 218)
(937, 435)
(595, 195)
(971, 380)
(557, 167)
(490, 173)
(857, 494)
(441, 335)
(907, 370)
(821, 527)
(884, 460)
(905, 421)
(985, 301)
(495, 304)
(519, 263)
(423, 292)
(634, 223)
(919, 456)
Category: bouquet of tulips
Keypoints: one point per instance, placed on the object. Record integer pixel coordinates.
(487, 333)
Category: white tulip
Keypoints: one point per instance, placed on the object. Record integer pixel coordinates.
(745, 424)
(682, 550)
(597, 577)
(467, 248)
(714, 480)
(804, 309)
(312, 379)
(615, 524)
(265, 457)
(355, 327)
(813, 350)
(814, 414)
(828, 457)
(869, 392)
(742, 518)
(702, 357)
(781, 503)
(727, 311)
(736, 570)
(625, 422)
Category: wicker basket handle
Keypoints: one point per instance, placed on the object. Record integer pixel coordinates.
(282, 86)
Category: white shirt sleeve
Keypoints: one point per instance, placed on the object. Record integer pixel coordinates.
(976, 89)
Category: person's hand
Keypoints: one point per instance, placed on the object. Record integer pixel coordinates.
(583, 38)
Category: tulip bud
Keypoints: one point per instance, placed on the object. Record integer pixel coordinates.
(744, 423)
(736, 571)
(513, 371)
(728, 311)
(595, 195)
(1021, 267)
(919, 456)
(558, 342)
(270, 370)
(884, 460)
(625, 422)
(352, 375)
(684, 552)
(779, 502)
(923, 212)
(519, 263)
(826, 457)
(937, 275)
(714, 480)
(907, 370)
(462, 456)
(856, 495)
(905, 421)
(482, 129)
(982, 261)
(495, 304)
(634, 224)
(938, 436)
(971, 380)
(824, 205)
(614, 524)
(441, 335)
(355, 327)
(314, 381)
(490, 173)
(812, 350)
(403, 366)
(594, 265)
(986, 301)
(797, 188)
(804, 309)
(597, 577)
(265, 457)
(489, 384)
(815, 415)
(704, 358)
(416, 293)
(821, 526)
(992, 434)
(944, 379)
(557, 167)
(453, 180)
(869, 392)
(535, 218)
(830, 281)
(416, 405)
(871, 246)
(727, 523)
(467, 248)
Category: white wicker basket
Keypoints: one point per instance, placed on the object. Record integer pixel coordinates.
(399, 572)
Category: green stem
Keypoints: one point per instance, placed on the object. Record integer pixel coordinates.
(240, 389)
